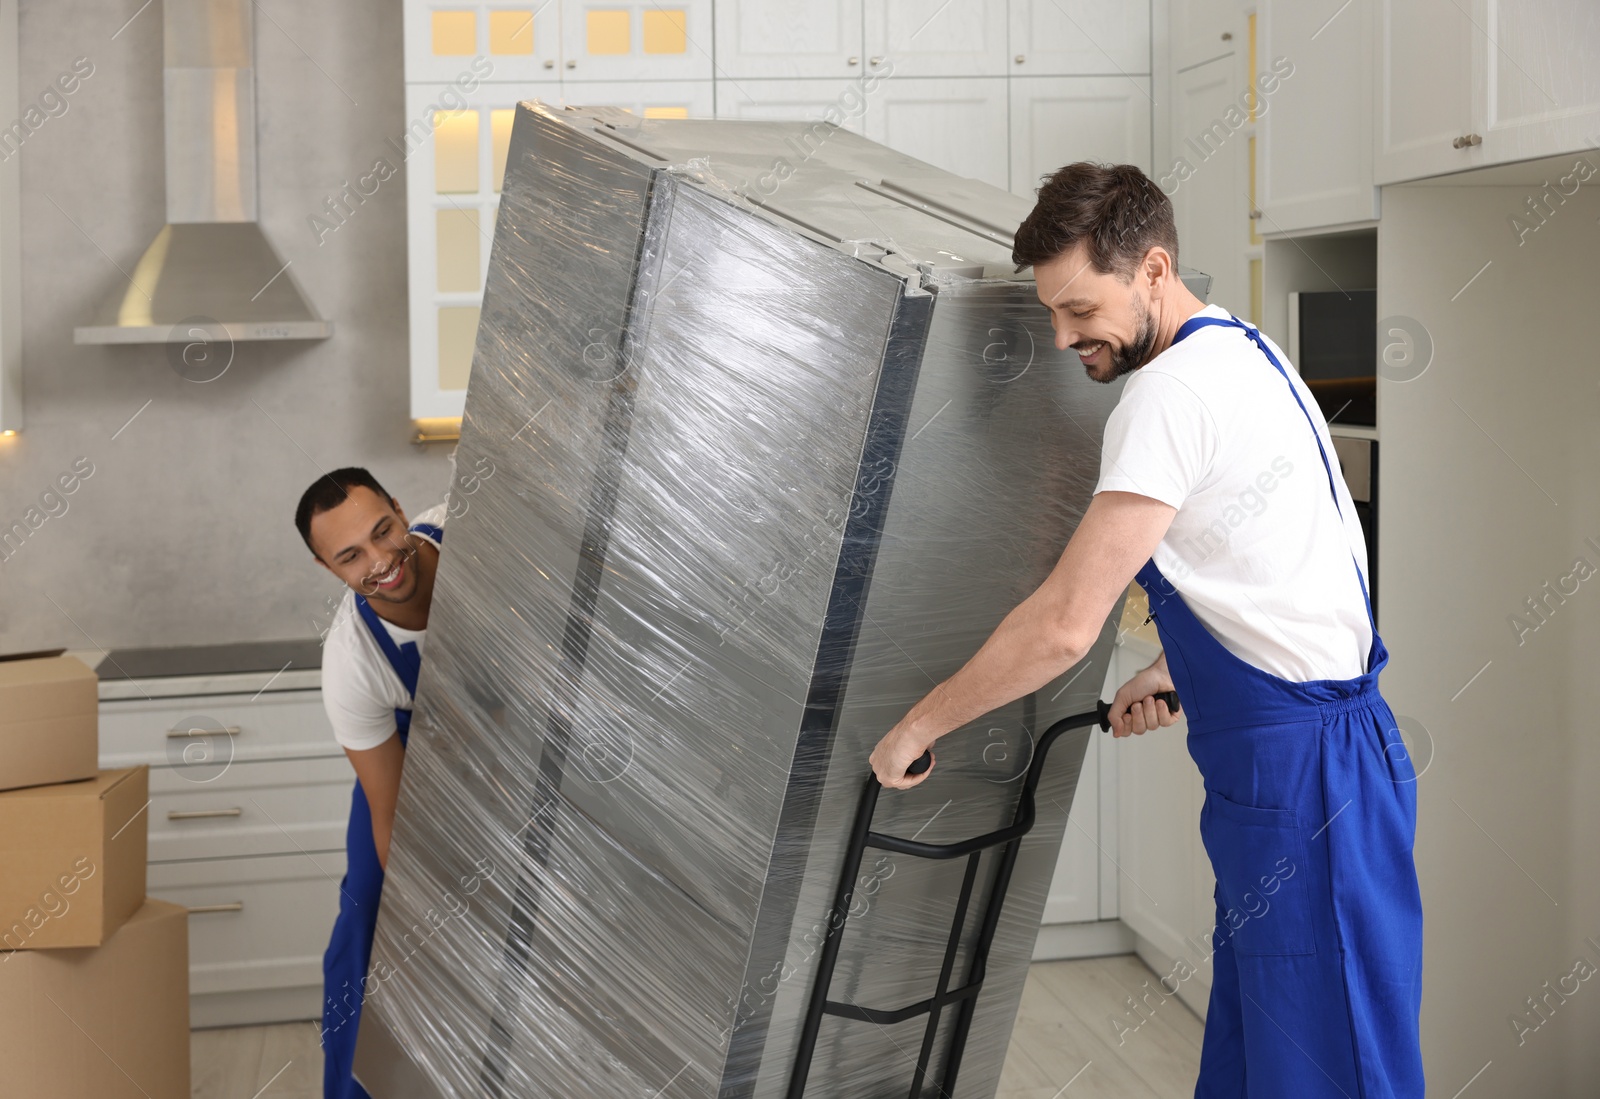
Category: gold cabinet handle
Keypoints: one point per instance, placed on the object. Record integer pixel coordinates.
(225, 730)
(202, 814)
(202, 909)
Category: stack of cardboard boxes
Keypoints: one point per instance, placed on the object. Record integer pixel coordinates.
(94, 976)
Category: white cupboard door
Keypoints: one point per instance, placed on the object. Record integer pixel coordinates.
(1425, 102)
(843, 102)
(1165, 884)
(636, 40)
(915, 38)
(957, 125)
(455, 165)
(645, 98)
(1542, 72)
(1074, 894)
(498, 41)
(1079, 38)
(1056, 120)
(782, 38)
(1208, 197)
(1314, 116)
(1203, 30)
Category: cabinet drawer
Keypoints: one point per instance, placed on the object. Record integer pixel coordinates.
(265, 807)
(202, 732)
(254, 923)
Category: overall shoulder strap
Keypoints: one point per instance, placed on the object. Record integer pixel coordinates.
(406, 662)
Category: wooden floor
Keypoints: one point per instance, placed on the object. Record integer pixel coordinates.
(1064, 1045)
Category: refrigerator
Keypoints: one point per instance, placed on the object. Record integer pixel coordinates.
(763, 436)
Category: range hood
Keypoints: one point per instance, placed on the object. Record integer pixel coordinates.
(210, 266)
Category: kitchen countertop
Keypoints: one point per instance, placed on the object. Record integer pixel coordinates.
(239, 668)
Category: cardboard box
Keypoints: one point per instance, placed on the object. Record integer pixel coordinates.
(110, 1022)
(72, 859)
(49, 720)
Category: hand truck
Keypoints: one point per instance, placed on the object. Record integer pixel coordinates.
(862, 837)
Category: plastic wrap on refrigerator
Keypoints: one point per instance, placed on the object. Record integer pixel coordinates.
(766, 437)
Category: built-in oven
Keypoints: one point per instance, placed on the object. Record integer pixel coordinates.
(1358, 459)
(1333, 342)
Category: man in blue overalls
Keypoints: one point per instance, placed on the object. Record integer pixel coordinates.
(371, 656)
(1218, 496)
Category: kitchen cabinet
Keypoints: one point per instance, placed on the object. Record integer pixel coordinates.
(1203, 30)
(1079, 891)
(1481, 82)
(1424, 96)
(1314, 163)
(1491, 673)
(914, 38)
(645, 98)
(998, 90)
(800, 100)
(249, 800)
(516, 42)
(454, 169)
(257, 931)
(1164, 886)
(574, 40)
(635, 40)
(1057, 120)
(781, 38)
(958, 125)
(1078, 38)
(1208, 197)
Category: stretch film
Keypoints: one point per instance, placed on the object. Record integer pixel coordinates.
(766, 437)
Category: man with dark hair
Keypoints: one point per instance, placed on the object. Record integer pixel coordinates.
(370, 662)
(1267, 635)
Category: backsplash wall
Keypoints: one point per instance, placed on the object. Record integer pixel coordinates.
(177, 487)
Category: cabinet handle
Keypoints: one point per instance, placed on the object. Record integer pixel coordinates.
(1021, 58)
(572, 64)
(225, 730)
(1255, 215)
(202, 814)
(1227, 36)
(853, 61)
(1466, 141)
(874, 60)
(202, 909)
(549, 64)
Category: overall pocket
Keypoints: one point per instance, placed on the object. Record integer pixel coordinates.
(1263, 880)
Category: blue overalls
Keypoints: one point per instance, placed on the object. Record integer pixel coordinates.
(1309, 820)
(344, 964)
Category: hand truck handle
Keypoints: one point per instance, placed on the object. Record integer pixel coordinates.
(1169, 697)
(1102, 709)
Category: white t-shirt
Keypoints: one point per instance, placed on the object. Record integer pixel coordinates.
(360, 690)
(1257, 549)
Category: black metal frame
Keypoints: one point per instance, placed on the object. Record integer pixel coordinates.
(862, 837)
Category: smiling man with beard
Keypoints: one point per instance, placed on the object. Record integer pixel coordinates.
(370, 663)
(1309, 816)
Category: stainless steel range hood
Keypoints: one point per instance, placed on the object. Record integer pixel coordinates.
(210, 266)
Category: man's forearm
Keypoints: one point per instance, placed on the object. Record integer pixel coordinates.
(378, 770)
